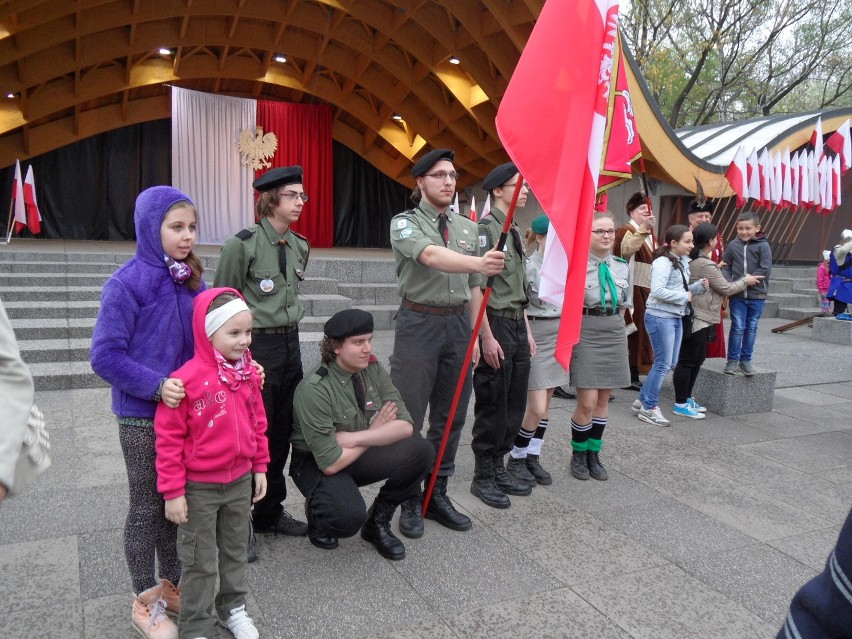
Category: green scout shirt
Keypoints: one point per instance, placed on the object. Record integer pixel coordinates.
(621, 275)
(509, 289)
(249, 263)
(412, 231)
(325, 404)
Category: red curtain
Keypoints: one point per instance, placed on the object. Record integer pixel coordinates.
(304, 138)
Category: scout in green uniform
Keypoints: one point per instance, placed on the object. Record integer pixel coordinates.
(439, 273)
(266, 262)
(352, 429)
(599, 359)
(500, 379)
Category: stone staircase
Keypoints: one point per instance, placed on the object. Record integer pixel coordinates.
(52, 299)
(792, 293)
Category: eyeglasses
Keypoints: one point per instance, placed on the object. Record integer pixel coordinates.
(443, 175)
(292, 195)
(602, 232)
(506, 186)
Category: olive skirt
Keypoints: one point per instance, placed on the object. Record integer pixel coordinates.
(599, 359)
(545, 371)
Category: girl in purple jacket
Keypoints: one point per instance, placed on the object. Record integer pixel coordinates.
(143, 332)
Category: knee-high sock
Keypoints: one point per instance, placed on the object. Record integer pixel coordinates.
(528, 442)
(596, 434)
(580, 436)
(538, 438)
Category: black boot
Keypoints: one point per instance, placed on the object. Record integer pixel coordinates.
(483, 485)
(518, 469)
(325, 542)
(579, 466)
(506, 482)
(410, 520)
(377, 530)
(441, 508)
(595, 469)
(541, 475)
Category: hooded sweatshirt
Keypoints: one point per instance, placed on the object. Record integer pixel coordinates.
(216, 434)
(143, 330)
(748, 258)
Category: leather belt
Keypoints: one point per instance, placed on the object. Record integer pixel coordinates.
(599, 311)
(536, 318)
(276, 330)
(508, 313)
(432, 310)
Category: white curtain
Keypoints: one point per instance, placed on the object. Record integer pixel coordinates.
(206, 161)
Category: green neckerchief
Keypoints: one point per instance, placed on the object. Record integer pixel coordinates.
(607, 282)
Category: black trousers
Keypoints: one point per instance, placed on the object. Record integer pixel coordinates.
(428, 354)
(501, 393)
(693, 352)
(334, 504)
(281, 359)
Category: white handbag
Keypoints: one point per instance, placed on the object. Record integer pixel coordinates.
(35, 453)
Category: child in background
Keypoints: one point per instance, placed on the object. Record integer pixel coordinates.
(823, 280)
(748, 254)
(142, 334)
(207, 449)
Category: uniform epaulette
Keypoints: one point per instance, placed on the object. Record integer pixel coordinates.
(485, 221)
(321, 372)
(308, 244)
(245, 234)
(300, 236)
(619, 259)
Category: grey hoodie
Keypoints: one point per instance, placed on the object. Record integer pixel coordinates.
(748, 258)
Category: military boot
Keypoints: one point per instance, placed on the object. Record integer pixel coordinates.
(541, 475)
(596, 470)
(579, 465)
(410, 520)
(517, 468)
(483, 485)
(441, 509)
(506, 482)
(377, 530)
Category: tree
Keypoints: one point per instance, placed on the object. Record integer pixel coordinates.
(711, 61)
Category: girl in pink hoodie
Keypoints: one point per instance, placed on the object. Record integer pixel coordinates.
(207, 450)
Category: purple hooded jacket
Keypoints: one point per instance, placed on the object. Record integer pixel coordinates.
(144, 326)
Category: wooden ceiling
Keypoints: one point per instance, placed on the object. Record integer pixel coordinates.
(76, 68)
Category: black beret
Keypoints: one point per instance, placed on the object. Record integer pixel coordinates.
(499, 176)
(352, 321)
(635, 201)
(696, 207)
(431, 159)
(281, 176)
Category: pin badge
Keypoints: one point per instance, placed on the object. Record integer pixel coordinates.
(266, 285)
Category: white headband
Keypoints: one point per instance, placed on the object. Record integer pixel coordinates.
(219, 316)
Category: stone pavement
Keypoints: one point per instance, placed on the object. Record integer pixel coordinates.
(704, 529)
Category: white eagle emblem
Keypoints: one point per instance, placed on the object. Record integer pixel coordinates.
(257, 148)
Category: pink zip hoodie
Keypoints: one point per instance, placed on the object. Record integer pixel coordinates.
(216, 435)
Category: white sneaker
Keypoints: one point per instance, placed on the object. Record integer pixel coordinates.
(240, 624)
(636, 406)
(653, 416)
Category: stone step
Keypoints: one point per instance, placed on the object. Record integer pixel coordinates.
(55, 279)
(370, 293)
(798, 313)
(793, 300)
(381, 270)
(62, 328)
(780, 286)
(55, 350)
(794, 272)
(50, 293)
(63, 256)
(51, 310)
(49, 267)
(318, 286)
(770, 309)
(324, 304)
(63, 375)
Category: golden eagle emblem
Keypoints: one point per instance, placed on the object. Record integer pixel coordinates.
(257, 148)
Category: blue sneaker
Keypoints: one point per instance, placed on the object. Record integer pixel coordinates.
(687, 411)
(695, 405)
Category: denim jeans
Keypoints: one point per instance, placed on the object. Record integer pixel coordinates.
(665, 334)
(744, 317)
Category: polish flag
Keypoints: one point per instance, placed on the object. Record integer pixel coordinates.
(486, 208)
(816, 140)
(753, 177)
(33, 214)
(473, 207)
(835, 182)
(805, 198)
(816, 194)
(18, 200)
(563, 78)
(764, 168)
(775, 179)
(786, 183)
(795, 177)
(736, 175)
(841, 143)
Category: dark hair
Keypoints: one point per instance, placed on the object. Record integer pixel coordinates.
(749, 216)
(191, 260)
(222, 299)
(673, 234)
(267, 201)
(327, 346)
(703, 234)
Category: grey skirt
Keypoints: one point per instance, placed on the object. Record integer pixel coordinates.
(599, 359)
(545, 371)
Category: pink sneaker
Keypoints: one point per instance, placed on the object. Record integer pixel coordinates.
(171, 595)
(149, 615)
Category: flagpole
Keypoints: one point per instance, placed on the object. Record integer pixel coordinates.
(474, 335)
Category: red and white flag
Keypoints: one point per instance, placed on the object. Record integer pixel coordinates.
(786, 183)
(814, 168)
(816, 141)
(737, 176)
(753, 177)
(764, 169)
(486, 208)
(563, 78)
(836, 172)
(473, 207)
(18, 204)
(795, 177)
(841, 143)
(33, 214)
(805, 198)
(775, 179)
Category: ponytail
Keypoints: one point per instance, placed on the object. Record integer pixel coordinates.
(673, 234)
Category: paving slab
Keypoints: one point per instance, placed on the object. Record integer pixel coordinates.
(811, 548)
